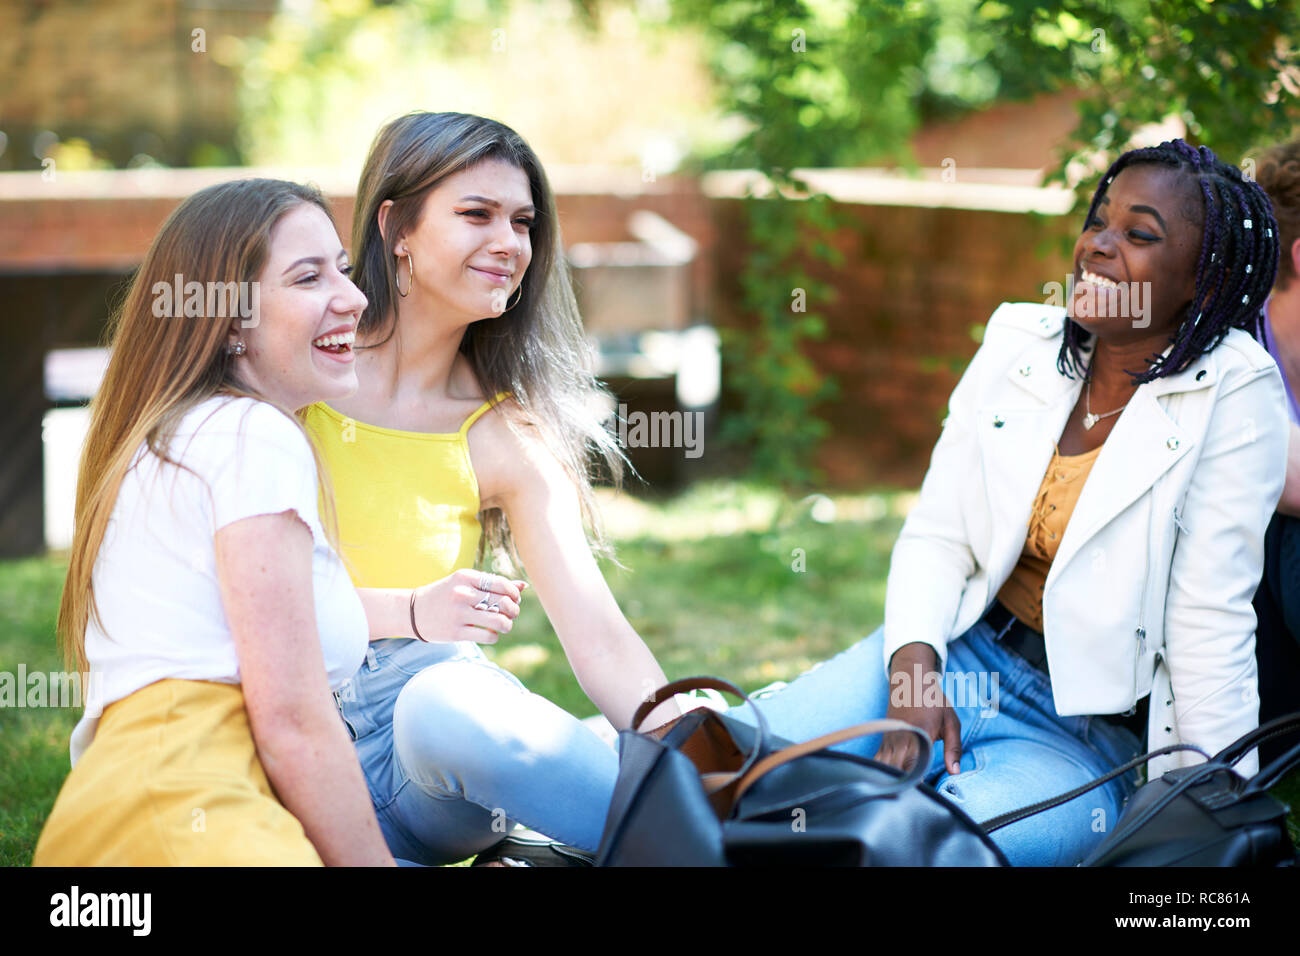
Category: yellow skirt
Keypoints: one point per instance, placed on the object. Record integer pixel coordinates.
(172, 778)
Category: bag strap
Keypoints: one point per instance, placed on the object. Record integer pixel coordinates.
(1272, 773)
(782, 757)
(1012, 816)
(712, 782)
(694, 683)
(1243, 745)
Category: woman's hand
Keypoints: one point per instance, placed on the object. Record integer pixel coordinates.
(467, 605)
(899, 748)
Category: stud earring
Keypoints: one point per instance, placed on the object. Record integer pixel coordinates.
(239, 348)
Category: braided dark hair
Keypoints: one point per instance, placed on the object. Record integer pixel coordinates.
(1234, 274)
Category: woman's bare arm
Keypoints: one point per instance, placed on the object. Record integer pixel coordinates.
(613, 665)
(264, 570)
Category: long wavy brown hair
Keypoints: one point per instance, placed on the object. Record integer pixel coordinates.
(537, 352)
(161, 368)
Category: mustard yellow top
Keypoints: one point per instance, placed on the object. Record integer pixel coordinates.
(407, 502)
(1022, 594)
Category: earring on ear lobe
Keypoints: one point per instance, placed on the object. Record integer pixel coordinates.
(239, 348)
(410, 268)
(516, 302)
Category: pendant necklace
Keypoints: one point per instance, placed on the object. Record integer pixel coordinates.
(1090, 419)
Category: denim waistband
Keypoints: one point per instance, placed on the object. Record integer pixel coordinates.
(1019, 637)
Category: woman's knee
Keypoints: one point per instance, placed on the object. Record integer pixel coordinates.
(847, 689)
(459, 715)
(859, 664)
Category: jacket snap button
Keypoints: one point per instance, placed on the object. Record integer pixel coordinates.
(1171, 444)
(997, 421)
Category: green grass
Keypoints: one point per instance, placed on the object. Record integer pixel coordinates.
(33, 742)
(709, 580)
(709, 583)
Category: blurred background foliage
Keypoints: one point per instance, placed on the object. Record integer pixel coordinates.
(615, 88)
(757, 83)
(697, 83)
(769, 85)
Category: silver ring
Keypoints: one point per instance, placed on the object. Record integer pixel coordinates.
(482, 605)
(494, 606)
(485, 582)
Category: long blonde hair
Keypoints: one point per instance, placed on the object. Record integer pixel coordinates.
(162, 367)
(537, 351)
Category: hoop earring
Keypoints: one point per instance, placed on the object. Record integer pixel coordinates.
(410, 264)
(517, 298)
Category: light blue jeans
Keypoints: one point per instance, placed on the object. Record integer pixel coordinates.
(1015, 749)
(456, 750)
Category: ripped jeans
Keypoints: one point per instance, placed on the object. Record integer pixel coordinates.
(1015, 749)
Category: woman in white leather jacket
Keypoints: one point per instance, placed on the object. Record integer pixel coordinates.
(1089, 534)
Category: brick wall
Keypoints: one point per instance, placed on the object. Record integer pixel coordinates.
(916, 285)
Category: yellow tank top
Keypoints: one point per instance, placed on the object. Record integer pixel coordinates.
(407, 502)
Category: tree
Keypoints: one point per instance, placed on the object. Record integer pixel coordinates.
(842, 84)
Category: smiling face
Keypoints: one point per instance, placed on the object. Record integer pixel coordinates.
(1135, 263)
(471, 244)
(299, 352)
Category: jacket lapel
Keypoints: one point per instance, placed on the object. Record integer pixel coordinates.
(1144, 444)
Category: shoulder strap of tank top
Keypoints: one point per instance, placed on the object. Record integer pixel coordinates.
(481, 410)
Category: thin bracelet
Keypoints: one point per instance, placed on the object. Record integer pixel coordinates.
(413, 627)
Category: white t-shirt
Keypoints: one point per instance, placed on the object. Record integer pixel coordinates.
(156, 578)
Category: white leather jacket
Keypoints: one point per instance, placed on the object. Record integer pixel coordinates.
(1151, 588)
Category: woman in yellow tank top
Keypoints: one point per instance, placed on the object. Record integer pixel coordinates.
(475, 405)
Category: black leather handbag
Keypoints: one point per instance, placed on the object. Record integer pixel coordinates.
(1204, 815)
(713, 791)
